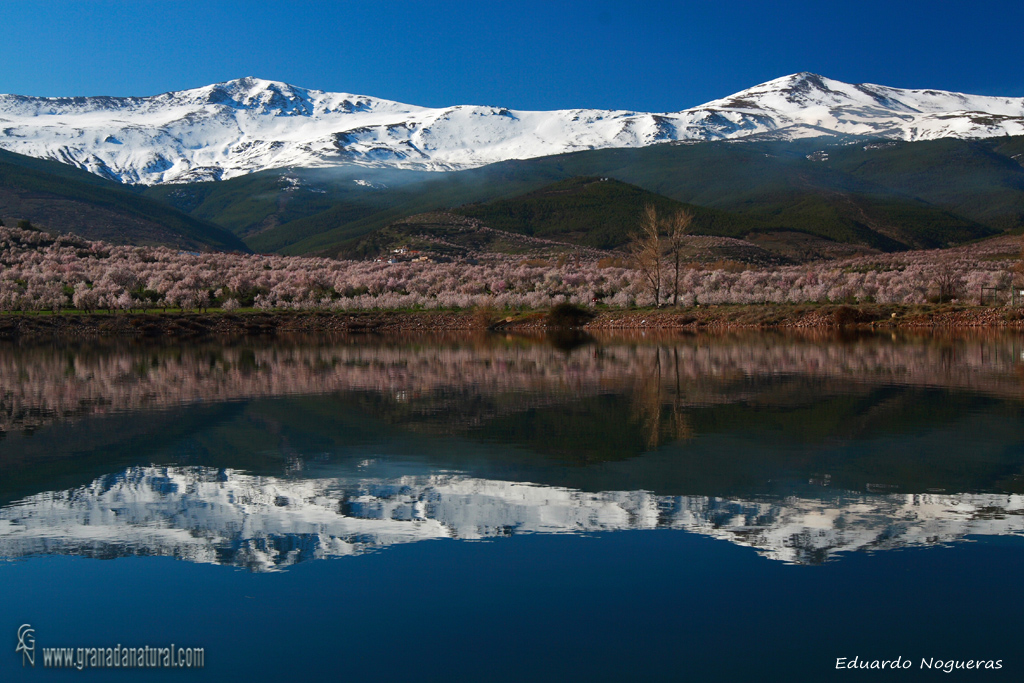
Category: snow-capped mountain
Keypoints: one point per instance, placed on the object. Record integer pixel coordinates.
(224, 516)
(246, 125)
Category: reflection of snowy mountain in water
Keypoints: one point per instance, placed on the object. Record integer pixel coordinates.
(265, 523)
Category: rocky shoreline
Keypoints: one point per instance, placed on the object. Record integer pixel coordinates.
(193, 325)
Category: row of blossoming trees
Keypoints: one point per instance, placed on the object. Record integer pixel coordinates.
(41, 272)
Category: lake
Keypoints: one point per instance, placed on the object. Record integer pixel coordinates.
(485, 507)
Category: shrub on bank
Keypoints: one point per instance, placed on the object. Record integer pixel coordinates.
(568, 315)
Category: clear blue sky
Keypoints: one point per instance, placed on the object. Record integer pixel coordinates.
(639, 54)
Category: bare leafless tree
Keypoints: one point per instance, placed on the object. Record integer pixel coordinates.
(646, 249)
(660, 239)
(949, 283)
(678, 229)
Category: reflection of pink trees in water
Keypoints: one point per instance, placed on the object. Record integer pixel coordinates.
(41, 272)
(46, 384)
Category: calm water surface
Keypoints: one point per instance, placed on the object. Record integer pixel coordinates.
(485, 508)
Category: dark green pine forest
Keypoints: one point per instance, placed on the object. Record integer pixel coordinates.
(877, 194)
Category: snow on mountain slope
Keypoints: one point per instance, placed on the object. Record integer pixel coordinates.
(806, 104)
(246, 125)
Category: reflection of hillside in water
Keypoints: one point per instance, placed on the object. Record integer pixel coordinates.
(267, 523)
(40, 385)
(273, 452)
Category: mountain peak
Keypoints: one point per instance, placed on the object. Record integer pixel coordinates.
(800, 78)
(253, 94)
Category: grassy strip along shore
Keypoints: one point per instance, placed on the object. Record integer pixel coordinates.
(180, 324)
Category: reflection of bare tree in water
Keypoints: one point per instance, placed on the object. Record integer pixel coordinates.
(657, 400)
(681, 420)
